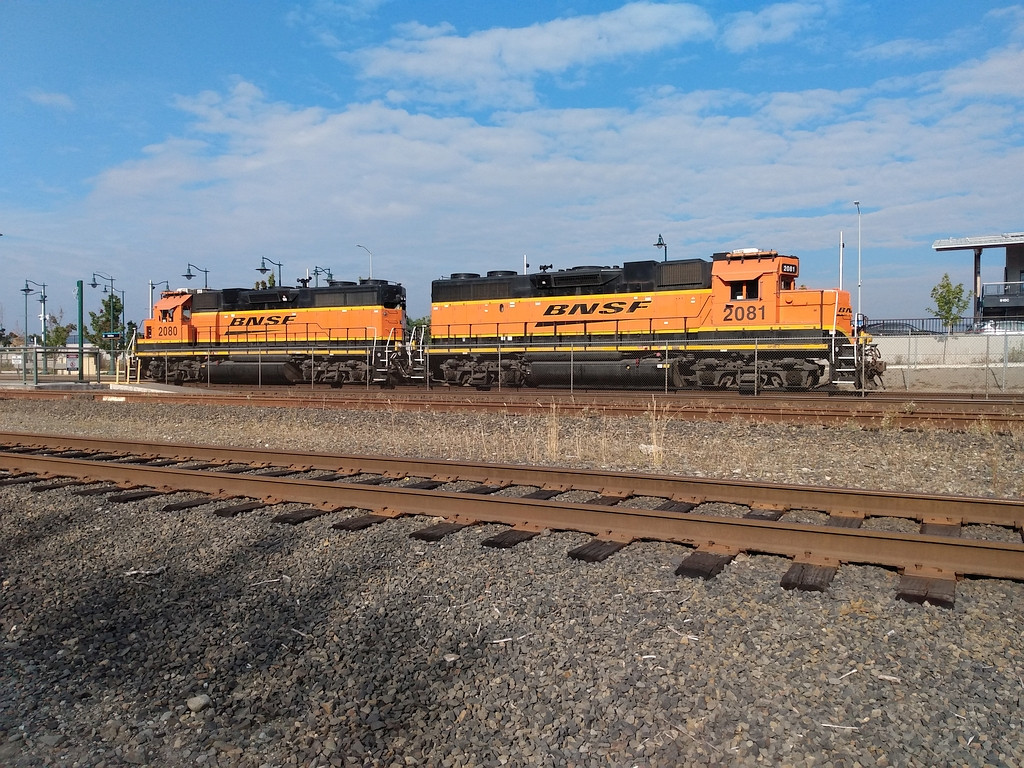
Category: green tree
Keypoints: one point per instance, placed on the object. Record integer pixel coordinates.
(57, 333)
(105, 321)
(415, 323)
(6, 337)
(950, 301)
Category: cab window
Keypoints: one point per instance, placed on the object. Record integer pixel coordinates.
(743, 289)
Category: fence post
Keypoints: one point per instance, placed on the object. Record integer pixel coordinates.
(987, 363)
(756, 364)
(664, 362)
(1006, 360)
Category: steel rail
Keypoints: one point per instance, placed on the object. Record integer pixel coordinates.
(850, 502)
(931, 555)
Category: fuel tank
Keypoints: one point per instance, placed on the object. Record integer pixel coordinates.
(251, 372)
(646, 373)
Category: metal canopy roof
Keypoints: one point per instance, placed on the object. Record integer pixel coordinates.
(983, 241)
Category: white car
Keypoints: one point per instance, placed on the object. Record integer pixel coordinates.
(999, 326)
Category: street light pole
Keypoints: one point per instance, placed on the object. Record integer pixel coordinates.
(153, 285)
(124, 328)
(317, 271)
(263, 268)
(110, 311)
(42, 300)
(24, 353)
(79, 290)
(188, 274)
(371, 258)
(860, 317)
(662, 244)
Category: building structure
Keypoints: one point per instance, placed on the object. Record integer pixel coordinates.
(994, 300)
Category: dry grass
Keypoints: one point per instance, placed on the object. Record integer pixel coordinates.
(978, 462)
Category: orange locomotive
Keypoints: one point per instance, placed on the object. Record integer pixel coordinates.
(739, 321)
(343, 332)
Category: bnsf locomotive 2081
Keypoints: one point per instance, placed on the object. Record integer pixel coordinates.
(737, 321)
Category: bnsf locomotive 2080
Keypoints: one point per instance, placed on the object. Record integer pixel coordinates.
(737, 321)
(345, 332)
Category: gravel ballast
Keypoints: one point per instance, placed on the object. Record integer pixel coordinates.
(133, 636)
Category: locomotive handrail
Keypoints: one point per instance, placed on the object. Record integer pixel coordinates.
(290, 334)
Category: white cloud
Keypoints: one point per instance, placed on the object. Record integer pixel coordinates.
(1010, 18)
(49, 99)
(777, 23)
(903, 48)
(707, 169)
(500, 65)
(997, 75)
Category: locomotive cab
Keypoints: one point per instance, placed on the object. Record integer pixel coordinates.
(171, 322)
(746, 286)
(755, 290)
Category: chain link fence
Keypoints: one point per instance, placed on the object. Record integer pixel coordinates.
(954, 362)
(963, 362)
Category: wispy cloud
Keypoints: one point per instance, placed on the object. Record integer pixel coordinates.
(321, 18)
(735, 164)
(500, 65)
(49, 99)
(904, 48)
(775, 24)
(996, 75)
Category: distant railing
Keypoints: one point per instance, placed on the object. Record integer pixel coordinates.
(912, 326)
(1002, 289)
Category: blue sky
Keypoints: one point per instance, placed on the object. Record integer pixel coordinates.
(136, 138)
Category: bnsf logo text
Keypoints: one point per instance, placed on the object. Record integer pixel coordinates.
(607, 308)
(261, 320)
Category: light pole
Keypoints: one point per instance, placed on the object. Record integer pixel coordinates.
(42, 302)
(124, 329)
(188, 274)
(110, 311)
(371, 258)
(317, 271)
(79, 290)
(860, 318)
(24, 354)
(263, 268)
(662, 244)
(153, 285)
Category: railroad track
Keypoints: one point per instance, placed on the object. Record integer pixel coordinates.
(879, 410)
(717, 519)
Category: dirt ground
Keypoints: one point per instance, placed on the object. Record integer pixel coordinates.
(988, 380)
